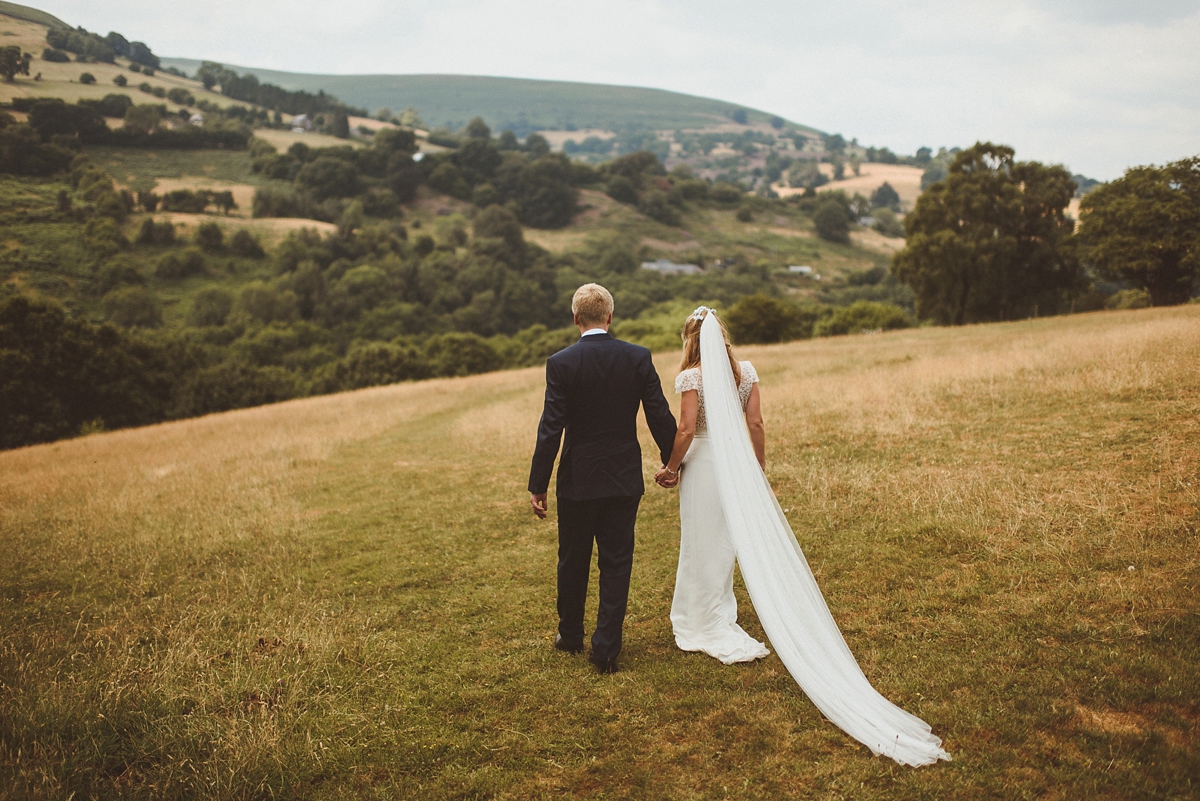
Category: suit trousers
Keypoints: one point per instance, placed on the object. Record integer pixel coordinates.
(609, 523)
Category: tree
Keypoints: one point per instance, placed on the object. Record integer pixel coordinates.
(478, 129)
(121, 80)
(210, 238)
(209, 73)
(1144, 229)
(856, 164)
(13, 62)
(885, 197)
(832, 221)
(140, 53)
(87, 78)
(341, 124)
(739, 116)
(991, 242)
(762, 319)
(777, 122)
(144, 118)
(835, 143)
(329, 177)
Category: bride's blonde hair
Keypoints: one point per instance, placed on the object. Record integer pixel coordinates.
(691, 343)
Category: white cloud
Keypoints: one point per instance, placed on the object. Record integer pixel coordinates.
(1096, 84)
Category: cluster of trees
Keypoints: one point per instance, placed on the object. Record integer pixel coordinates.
(539, 186)
(992, 241)
(55, 127)
(249, 89)
(89, 46)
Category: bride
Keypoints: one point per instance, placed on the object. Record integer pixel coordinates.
(728, 512)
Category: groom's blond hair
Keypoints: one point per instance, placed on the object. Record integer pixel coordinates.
(592, 305)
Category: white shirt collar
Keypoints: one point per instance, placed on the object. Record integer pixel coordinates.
(591, 331)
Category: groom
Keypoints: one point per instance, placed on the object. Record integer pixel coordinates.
(593, 390)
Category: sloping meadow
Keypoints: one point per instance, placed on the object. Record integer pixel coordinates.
(346, 596)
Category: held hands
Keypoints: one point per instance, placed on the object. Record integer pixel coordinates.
(667, 479)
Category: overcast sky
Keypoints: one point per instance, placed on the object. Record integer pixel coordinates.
(1098, 85)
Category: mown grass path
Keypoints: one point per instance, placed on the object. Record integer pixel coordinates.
(346, 597)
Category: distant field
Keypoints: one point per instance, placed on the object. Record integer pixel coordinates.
(21, 12)
(346, 597)
(904, 179)
(61, 79)
(452, 100)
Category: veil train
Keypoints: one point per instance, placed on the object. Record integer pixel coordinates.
(782, 587)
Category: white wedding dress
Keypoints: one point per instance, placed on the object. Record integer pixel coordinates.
(728, 510)
(704, 610)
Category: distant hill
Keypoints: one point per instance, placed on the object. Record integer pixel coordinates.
(517, 103)
(32, 15)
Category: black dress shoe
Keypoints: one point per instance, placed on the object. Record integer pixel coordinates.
(562, 645)
(604, 666)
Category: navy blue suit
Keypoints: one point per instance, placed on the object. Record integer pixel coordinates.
(593, 391)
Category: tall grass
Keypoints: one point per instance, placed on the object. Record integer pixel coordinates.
(346, 596)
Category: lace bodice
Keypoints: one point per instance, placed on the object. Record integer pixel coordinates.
(690, 379)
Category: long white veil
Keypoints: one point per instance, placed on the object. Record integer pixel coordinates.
(782, 587)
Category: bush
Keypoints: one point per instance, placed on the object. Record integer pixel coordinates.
(329, 177)
(485, 195)
(370, 364)
(181, 96)
(725, 192)
(762, 319)
(745, 214)
(622, 190)
(864, 315)
(459, 354)
(87, 78)
(131, 307)
(175, 266)
(234, 385)
(115, 273)
(265, 304)
(52, 54)
(1129, 299)
(654, 204)
(156, 233)
(210, 307)
(887, 223)
(185, 200)
(103, 238)
(121, 80)
(245, 244)
(210, 238)
(270, 203)
(831, 221)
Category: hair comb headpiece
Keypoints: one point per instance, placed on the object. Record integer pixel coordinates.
(700, 311)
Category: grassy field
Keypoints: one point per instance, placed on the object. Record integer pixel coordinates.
(454, 99)
(346, 596)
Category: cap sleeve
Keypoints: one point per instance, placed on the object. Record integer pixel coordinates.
(688, 379)
(749, 375)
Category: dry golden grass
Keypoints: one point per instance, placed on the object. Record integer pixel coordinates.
(61, 79)
(345, 596)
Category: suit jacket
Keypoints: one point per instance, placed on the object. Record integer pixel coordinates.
(593, 390)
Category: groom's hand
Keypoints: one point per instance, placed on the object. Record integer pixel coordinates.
(538, 502)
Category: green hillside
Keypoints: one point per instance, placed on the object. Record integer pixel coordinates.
(31, 15)
(517, 103)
